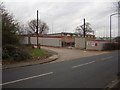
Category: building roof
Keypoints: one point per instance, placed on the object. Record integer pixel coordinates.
(65, 33)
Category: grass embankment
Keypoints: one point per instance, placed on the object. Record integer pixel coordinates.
(37, 53)
(23, 54)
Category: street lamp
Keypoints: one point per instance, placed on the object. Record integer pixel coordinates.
(110, 23)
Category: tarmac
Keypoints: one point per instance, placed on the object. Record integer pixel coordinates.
(59, 54)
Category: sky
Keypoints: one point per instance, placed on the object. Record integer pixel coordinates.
(66, 15)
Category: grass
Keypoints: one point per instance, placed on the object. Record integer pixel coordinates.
(35, 52)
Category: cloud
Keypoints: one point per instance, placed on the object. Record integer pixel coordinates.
(64, 15)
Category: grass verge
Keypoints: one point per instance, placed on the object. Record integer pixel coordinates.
(35, 54)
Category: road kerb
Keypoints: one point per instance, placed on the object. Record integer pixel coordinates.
(112, 84)
(49, 59)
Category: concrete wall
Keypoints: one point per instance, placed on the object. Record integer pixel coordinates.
(80, 43)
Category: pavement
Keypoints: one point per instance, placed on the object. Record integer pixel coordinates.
(86, 72)
(113, 84)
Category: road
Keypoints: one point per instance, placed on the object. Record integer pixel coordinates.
(87, 72)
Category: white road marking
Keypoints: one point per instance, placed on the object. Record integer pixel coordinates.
(83, 64)
(23, 79)
(107, 58)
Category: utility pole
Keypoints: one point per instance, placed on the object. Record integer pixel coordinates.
(84, 29)
(37, 28)
(84, 33)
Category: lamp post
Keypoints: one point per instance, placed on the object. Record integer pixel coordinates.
(110, 23)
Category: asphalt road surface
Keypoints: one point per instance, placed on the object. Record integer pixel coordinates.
(88, 72)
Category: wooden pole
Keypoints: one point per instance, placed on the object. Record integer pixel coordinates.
(37, 28)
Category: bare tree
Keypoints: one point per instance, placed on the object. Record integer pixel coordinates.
(116, 6)
(88, 29)
(42, 26)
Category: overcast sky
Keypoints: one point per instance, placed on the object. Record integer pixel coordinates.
(66, 15)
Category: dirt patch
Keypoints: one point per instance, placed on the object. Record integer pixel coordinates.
(69, 54)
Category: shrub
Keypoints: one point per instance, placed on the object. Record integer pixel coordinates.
(7, 51)
(9, 48)
(111, 46)
(20, 54)
(5, 54)
(14, 53)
